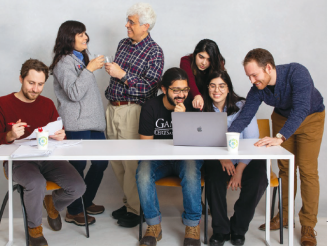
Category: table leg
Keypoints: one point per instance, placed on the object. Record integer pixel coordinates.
(291, 202)
(10, 189)
(267, 205)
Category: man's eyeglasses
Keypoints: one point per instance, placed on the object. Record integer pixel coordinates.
(177, 91)
(130, 22)
(221, 87)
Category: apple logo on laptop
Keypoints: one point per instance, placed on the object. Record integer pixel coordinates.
(199, 129)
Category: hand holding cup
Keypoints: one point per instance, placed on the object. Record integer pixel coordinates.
(96, 63)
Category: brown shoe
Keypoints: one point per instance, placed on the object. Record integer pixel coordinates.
(275, 224)
(308, 235)
(36, 237)
(152, 235)
(192, 236)
(95, 209)
(53, 217)
(79, 219)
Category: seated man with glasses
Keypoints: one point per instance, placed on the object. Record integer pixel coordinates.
(156, 123)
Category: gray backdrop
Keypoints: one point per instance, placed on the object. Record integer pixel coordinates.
(293, 31)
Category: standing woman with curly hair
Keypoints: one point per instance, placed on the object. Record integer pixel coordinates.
(205, 60)
(80, 107)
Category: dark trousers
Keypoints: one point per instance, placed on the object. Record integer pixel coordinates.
(253, 182)
(94, 175)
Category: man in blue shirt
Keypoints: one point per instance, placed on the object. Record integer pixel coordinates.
(297, 125)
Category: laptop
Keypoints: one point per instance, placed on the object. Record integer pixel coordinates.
(203, 129)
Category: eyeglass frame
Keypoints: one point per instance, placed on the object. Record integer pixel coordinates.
(225, 86)
(184, 90)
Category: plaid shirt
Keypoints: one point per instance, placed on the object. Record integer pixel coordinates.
(143, 63)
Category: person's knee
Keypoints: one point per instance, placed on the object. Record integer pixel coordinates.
(213, 171)
(100, 166)
(35, 184)
(190, 172)
(143, 174)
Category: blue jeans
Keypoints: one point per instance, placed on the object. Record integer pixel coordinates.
(188, 171)
(94, 175)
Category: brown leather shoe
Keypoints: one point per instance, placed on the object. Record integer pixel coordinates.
(192, 236)
(53, 217)
(275, 224)
(152, 235)
(308, 235)
(95, 209)
(36, 237)
(78, 219)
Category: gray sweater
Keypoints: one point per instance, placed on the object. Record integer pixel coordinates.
(78, 96)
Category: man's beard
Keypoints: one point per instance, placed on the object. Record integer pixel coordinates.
(28, 97)
(171, 101)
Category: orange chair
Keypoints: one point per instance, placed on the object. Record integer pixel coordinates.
(264, 130)
(174, 181)
(49, 186)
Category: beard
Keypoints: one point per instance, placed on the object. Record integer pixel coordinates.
(26, 94)
(171, 100)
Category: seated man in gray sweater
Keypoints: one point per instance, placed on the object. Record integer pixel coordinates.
(297, 125)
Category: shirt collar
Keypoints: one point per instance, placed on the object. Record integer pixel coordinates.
(142, 43)
(218, 110)
(78, 55)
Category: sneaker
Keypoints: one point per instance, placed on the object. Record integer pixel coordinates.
(218, 239)
(152, 235)
(192, 236)
(308, 235)
(119, 212)
(36, 237)
(78, 219)
(275, 224)
(53, 217)
(95, 209)
(129, 220)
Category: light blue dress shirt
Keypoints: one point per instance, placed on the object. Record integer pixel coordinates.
(251, 131)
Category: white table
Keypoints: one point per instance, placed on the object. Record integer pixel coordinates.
(162, 150)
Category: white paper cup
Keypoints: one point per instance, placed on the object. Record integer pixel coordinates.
(233, 141)
(42, 138)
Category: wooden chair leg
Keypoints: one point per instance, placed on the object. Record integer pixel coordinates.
(280, 212)
(21, 193)
(85, 217)
(141, 222)
(274, 193)
(206, 219)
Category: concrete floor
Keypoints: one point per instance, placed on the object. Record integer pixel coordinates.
(106, 232)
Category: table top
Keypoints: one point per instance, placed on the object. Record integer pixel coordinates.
(151, 150)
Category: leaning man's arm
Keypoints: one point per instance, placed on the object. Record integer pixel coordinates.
(253, 102)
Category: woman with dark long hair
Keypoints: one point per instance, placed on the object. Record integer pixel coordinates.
(80, 107)
(250, 175)
(205, 60)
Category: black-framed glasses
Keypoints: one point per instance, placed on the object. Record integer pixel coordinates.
(177, 91)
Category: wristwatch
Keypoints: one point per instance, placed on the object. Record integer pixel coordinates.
(280, 136)
(123, 79)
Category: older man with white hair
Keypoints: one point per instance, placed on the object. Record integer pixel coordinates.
(135, 72)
